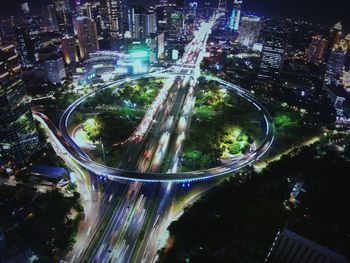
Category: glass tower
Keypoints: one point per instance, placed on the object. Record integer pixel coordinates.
(18, 135)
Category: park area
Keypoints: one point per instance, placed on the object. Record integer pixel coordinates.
(111, 116)
(223, 127)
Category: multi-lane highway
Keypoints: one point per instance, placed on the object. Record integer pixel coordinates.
(143, 212)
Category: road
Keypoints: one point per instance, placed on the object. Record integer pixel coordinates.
(135, 231)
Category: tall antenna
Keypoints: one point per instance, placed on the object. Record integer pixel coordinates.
(222, 6)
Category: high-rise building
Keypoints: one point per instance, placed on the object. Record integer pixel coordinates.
(316, 49)
(142, 23)
(18, 135)
(334, 38)
(55, 72)
(25, 46)
(70, 55)
(222, 6)
(160, 45)
(235, 18)
(207, 10)
(293, 248)
(175, 25)
(250, 31)
(50, 19)
(27, 17)
(115, 17)
(272, 59)
(136, 23)
(150, 24)
(336, 61)
(64, 17)
(87, 35)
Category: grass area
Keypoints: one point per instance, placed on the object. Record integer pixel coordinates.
(112, 115)
(222, 126)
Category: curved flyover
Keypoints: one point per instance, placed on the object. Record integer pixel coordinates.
(117, 174)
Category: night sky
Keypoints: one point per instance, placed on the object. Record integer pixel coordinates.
(324, 12)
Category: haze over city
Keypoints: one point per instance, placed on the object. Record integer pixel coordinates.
(174, 131)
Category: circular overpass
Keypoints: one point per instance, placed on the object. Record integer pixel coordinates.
(118, 174)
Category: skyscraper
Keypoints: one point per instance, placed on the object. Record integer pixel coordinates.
(70, 55)
(222, 6)
(27, 17)
(175, 25)
(50, 19)
(250, 30)
(336, 61)
(272, 59)
(150, 24)
(334, 38)
(18, 135)
(115, 17)
(293, 248)
(235, 18)
(87, 35)
(55, 71)
(64, 17)
(316, 49)
(26, 47)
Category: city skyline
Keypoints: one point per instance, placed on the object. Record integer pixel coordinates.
(322, 12)
(177, 132)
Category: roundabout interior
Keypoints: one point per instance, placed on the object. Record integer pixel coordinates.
(141, 132)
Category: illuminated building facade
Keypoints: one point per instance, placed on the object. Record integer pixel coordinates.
(115, 17)
(272, 59)
(25, 46)
(64, 17)
(70, 54)
(235, 18)
(55, 71)
(316, 49)
(336, 61)
(250, 31)
(87, 36)
(175, 25)
(293, 248)
(18, 135)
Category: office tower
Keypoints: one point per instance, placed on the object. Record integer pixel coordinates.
(316, 49)
(18, 135)
(272, 59)
(86, 10)
(336, 61)
(94, 11)
(64, 17)
(135, 23)
(70, 55)
(160, 45)
(25, 46)
(207, 11)
(222, 6)
(49, 16)
(87, 35)
(163, 16)
(115, 17)
(293, 248)
(27, 17)
(150, 24)
(175, 25)
(235, 18)
(250, 31)
(334, 38)
(54, 67)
